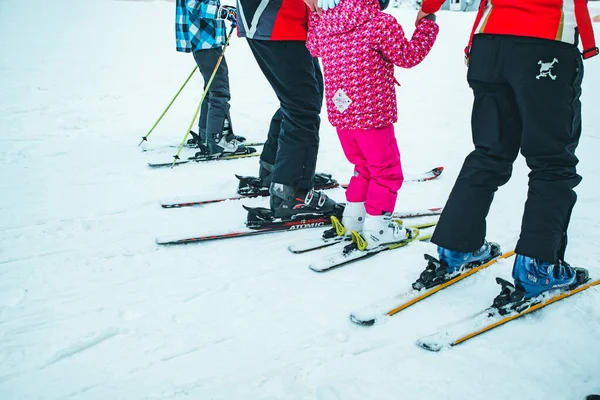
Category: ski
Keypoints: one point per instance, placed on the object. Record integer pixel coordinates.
(413, 296)
(282, 226)
(194, 147)
(203, 159)
(350, 252)
(258, 228)
(321, 242)
(491, 318)
(181, 202)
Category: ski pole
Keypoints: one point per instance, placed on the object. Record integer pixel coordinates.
(187, 132)
(145, 138)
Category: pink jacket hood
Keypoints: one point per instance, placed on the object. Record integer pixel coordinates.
(348, 15)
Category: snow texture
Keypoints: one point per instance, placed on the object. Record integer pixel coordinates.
(92, 308)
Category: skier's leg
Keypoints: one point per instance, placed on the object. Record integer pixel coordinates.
(382, 159)
(356, 193)
(551, 112)
(269, 153)
(199, 56)
(496, 129)
(218, 97)
(382, 156)
(359, 182)
(296, 79)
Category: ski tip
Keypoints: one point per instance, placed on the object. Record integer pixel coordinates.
(316, 269)
(362, 322)
(294, 250)
(437, 171)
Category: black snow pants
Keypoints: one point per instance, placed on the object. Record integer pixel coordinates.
(527, 94)
(215, 107)
(291, 148)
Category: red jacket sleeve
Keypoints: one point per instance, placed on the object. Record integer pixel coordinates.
(432, 6)
(398, 49)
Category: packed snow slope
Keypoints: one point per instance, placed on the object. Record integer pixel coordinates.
(92, 308)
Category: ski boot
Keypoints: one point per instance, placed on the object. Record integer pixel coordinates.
(289, 202)
(353, 219)
(382, 229)
(534, 277)
(452, 263)
(223, 145)
(250, 185)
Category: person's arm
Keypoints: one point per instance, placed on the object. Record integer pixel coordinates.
(428, 7)
(394, 45)
(206, 9)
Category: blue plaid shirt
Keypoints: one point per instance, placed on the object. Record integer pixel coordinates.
(196, 26)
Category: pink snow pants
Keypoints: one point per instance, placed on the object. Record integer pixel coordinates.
(377, 169)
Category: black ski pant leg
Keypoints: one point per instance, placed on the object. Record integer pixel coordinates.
(215, 107)
(496, 130)
(549, 102)
(296, 78)
(269, 153)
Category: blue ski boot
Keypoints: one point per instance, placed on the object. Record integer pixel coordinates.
(452, 263)
(532, 278)
(535, 277)
(455, 260)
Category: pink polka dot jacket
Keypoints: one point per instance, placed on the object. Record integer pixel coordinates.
(359, 46)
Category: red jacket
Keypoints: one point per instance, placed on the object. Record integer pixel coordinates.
(272, 19)
(545, 19)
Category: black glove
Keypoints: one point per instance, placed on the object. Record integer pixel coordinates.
(228, 13)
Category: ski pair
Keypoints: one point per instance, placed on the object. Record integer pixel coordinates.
(355, 250)
(260, 222)
(482, 322)
(264, 191)
(492, 317)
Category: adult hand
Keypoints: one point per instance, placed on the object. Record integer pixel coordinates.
(420, 16)
(313, 6)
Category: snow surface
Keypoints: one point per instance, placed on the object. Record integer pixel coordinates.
(92, 308)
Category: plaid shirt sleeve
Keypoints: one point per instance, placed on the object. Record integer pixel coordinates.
(196, 26)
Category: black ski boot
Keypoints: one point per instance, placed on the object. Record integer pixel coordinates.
(196, 141)
(251, 185)
(289, 202)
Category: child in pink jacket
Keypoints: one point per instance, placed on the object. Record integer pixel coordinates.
(359, 45)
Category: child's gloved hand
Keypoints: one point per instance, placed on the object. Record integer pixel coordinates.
(328, 4)
(229, 13)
